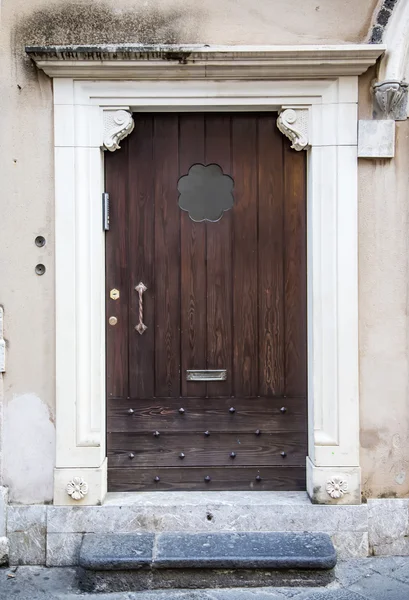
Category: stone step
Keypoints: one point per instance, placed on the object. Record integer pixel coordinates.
(137, 561)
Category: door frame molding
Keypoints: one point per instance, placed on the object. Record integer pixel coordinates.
(92, 115)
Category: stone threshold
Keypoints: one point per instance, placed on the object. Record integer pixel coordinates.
(205, 498)
(130, 561)
(53, 535)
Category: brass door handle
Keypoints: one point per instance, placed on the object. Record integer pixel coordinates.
(141, 327)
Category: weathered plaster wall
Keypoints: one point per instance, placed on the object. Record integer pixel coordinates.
(211, 22)
(26, 172)
(383, 309)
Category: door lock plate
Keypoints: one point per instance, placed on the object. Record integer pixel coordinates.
(114, 294)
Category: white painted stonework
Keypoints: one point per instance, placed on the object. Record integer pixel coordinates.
(2, 343)
(376, 139)
(326, 108)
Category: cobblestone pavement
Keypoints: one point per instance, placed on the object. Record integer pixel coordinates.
(361, 579)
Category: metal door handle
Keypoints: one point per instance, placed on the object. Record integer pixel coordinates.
(141, 327)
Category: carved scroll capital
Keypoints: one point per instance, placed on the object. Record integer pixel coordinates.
(77, 488)
(391, 100)
(117, 125)
(293, 123)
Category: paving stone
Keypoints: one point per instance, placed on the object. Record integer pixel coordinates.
(401, 573)
(386, 565)
(348, 572)
(245, 551)
(378, 587)
(340, 594)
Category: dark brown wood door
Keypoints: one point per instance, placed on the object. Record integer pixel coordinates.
(226, 294)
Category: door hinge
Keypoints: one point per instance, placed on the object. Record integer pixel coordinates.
(105, 211)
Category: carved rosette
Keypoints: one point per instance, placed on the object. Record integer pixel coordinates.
(391, 97)
(77, 488)
(117, 125)
(337, 487)
(293, 123)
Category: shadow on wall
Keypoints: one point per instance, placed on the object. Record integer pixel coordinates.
(74, 23)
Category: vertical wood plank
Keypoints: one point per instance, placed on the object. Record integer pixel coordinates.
(193, 263)
(219, 264)
(295, 272)
(244, 147)
(117, 274)
(270, 257)
(141, 256)
(167, 256)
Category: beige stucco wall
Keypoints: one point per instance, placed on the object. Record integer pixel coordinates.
(26, 171)
(383, 314)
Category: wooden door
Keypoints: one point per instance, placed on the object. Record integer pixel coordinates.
(224, 294)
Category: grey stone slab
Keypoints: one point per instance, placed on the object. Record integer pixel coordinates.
(115, 552)
(63, 549)
(21, 518)
(388, 526)
(26, 526)
(351, 544)
(245, 551)
(214, 516)
(379, 587)
(3, 510)
(27, 548)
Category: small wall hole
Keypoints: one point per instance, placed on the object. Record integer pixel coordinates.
(40, 269)
(209, 516)
(40, 241)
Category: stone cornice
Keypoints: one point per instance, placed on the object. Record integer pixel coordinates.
(136, 61)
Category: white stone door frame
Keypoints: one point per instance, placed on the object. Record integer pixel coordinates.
(93, 100)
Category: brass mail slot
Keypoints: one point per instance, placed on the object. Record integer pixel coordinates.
(207, 375)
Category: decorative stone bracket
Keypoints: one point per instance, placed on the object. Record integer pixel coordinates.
(117, 125)
(293, 123)
(391, 100)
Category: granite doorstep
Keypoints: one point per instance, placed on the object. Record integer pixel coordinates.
(115, 552)
(272, 550)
